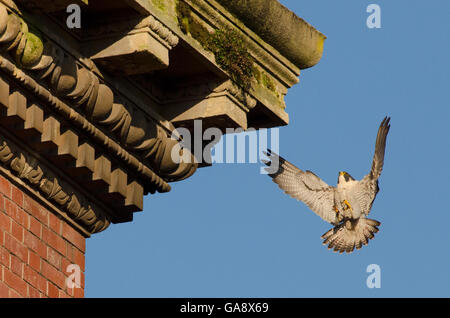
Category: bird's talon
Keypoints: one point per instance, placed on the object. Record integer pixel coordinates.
(339, 216)
(347, 205)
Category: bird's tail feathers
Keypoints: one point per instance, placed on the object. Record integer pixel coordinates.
(351, 234)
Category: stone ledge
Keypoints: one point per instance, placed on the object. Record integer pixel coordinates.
(296, 39)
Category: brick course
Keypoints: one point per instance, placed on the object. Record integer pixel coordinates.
(36, 246)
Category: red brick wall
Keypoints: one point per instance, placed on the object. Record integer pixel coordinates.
(36, 246)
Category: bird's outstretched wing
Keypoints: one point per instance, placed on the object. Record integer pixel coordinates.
(303, 185)
(368, 186)
(380, 146)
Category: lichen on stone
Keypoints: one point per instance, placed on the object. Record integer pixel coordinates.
(189, 25)
(266, 81)
(160, 4)
(33, 49)
(263, 79)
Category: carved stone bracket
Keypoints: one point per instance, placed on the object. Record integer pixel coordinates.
(214, 101)
(133, 46)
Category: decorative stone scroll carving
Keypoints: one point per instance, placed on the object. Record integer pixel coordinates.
(78, 210)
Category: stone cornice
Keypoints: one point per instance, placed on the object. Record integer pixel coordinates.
(271, 21)
(61, 109)
(96, 101)
(279, 49)
(88, 115)
(218, 17)
(132, 45)
(292, 36)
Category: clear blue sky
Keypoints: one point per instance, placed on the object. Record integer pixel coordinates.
(228, 231)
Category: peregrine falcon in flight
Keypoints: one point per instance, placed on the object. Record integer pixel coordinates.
(346, 206)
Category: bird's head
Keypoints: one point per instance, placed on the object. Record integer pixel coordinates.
(344, 177)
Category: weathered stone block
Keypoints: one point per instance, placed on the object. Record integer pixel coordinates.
(130, 54)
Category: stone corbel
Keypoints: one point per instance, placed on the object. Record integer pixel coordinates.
(134, 46)
(215, 102)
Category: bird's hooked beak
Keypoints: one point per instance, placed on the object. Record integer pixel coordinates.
(347, 177)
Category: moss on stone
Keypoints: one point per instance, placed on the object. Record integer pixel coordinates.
(227, 46)
(232, 55)
(184, 16)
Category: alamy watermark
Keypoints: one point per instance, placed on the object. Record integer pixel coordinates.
(374, 19)
(73, 20)
(74, 278)
(212, 146)
(374, 279)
